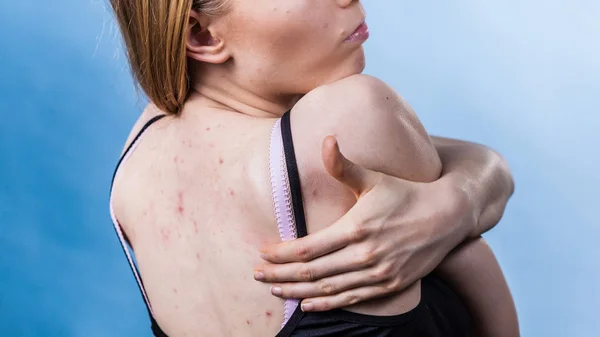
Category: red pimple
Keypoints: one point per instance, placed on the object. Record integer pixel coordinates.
(221, 161)
(268, 313)
(180, 208)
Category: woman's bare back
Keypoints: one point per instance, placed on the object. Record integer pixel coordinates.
(195, 199)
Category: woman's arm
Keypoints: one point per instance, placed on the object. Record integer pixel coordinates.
(423, 221)
(482, 176)
(475, 275)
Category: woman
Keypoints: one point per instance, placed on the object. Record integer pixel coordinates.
(195, 197)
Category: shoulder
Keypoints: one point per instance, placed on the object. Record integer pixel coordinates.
(149, 112)
(374, 125)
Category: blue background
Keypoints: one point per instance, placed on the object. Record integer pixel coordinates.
(520, 76)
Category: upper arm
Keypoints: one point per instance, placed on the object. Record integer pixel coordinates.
(375, 128)
(373, 124)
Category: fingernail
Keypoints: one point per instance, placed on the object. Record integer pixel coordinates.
(275, 290)
(259, 276)
(307, 306)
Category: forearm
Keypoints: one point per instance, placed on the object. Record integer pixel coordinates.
(482, 177)
(475, 275)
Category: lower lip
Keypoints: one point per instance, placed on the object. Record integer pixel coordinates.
(361, 34)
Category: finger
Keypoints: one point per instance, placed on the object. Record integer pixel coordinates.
(360, 180)
(345, 298)
(329, 286)
(317, 244)
(342, 261)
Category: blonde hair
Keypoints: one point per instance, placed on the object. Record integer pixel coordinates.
(154, 32)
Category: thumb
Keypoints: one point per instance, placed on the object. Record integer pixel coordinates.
(359, 179)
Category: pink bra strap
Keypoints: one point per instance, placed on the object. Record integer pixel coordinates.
(282, 200)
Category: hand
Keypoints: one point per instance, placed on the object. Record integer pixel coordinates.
(396, 234)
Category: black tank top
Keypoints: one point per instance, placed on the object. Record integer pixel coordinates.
(440, 313)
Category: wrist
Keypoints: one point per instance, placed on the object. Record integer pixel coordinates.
(461, 208)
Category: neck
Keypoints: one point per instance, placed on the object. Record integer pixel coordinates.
(224, 92)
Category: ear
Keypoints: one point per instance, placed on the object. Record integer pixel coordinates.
(202, 45)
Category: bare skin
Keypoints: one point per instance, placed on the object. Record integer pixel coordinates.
(195, 198)
(195, 202)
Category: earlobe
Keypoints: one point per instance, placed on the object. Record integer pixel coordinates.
(203, 46)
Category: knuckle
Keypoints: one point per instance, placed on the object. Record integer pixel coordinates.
(326, 287)
(325, 306)
(306, 274)
(303, 253)
(384, 272)
(351, 299)
(368, 256)
(358, 232)
(394, 285)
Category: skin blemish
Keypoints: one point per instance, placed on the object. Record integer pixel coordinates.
(221, 161)
(196, 226)
(315, 193)
(268, 313)
(180, 208)
(231, 193)
(166, 235)
(175, 159)
(326, 25)
(207, 129)
(248, 322)
(197, 256)
(175, 290)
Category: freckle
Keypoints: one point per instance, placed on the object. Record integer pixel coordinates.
(268, 313)
(315, 193)
(248, 322)
(387, 98)
(197, 256)
(207, 129)
(231, 193)
(326, 25)
(175, 290)
(221, 161)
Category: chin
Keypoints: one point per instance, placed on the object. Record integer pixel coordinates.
(354, 65)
